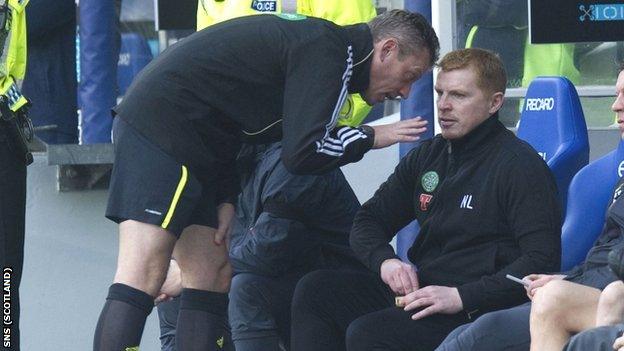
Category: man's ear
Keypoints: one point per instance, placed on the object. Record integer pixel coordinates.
(496, 102)
(387, 46)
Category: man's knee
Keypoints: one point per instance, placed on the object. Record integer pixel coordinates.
(549, 299)
(312, 290)
(214, 278)
(144, 252)
(204, 264)
(505, 329)
(247, 290)
(360, 334)
(490, 321)
(613, 294)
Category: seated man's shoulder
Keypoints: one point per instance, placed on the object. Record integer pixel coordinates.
(521, 152)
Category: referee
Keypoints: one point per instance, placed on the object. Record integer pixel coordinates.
(254, 79)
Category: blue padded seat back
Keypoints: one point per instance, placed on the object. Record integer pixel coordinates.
(552, 121)
(588, 198)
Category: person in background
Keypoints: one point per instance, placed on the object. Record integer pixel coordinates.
(607, 335)
(50, 81)
(15, 133)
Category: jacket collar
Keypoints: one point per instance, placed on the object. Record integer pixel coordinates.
(477, 138)
(361, 40)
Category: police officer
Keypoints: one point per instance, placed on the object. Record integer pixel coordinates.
(15, 129)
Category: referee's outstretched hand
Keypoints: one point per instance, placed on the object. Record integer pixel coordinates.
(408, 130)
(225, 214)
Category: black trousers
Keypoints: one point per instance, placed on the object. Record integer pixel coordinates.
(355, 311)
(499, 330)
(12, 216)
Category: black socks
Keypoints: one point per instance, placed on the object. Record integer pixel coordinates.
(202, 321)
(122, 319)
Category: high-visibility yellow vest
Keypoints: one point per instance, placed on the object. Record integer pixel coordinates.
(341, 12)
(13, 59)
(549, 60)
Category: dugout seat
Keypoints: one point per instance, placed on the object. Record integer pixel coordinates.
(552, 121)
(588, 198)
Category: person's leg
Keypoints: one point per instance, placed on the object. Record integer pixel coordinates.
(168, 318)
(611, 305)
(326, 302)
(393, 329)
(12, 216)
(206, 275)
(501, 330)
(596, 339)
(144, 251)
(252, 302)
(560, 309)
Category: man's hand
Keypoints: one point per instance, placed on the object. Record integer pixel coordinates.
(434, 299)
(400, 276)
(402, 131)
(538, 280)
(225, 213)
(173, 284)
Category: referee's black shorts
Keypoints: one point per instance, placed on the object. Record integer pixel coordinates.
(149, 186)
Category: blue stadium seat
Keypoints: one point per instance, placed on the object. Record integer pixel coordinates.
(134, 54)
(553, 123)
(588, 198)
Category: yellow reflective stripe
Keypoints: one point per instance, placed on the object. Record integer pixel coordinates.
(471, 34)
(176, 198)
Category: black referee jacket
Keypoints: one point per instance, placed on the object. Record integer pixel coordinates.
(256, 79)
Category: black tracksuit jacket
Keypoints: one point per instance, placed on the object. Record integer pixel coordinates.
(289, 223)
(256, 79)
(492, 211)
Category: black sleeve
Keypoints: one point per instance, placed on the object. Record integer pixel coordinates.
(317, 77)
(228, 177)
(528, 195)
(389, 210)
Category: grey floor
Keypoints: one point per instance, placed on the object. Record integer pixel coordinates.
(69, 262)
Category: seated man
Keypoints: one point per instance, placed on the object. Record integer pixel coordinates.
(487, 206)
(285, 226)
(566, 305)
(607, 335)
